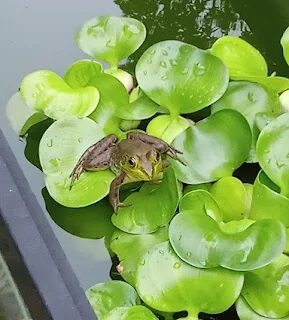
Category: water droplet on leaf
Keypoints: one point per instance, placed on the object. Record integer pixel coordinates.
(176, 265)
(50, 143)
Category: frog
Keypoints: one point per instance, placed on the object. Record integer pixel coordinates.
(138, 157)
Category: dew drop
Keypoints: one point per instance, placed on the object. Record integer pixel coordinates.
(176, 265)
(164, 77)
(173, 62)
(143, 262)
(280, 164)
(180, 237)
(250, 96)
(161, 252)
(153, 51)
(185, 71)
(80, 139)
(164, 52)
(163, 64)
(34, 95)
(189, 254)
(149, 61)
(110, 44)
(145, 72)
(50, 143)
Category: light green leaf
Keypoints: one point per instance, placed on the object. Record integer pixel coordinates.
(213, 148)
(284, 100)
(131, 313)
(151, 207)
(181, 77)
(44, 91)
(105, 297)
(285, 44)
(21, 117)
(167, 127)
(124, 77)
(240, 57)
(111, 38)
(81, 72)
(166, 283)
(60, 148)
(273, 152)
(201, 186)
(231, 196)
(266, 290)
(124, 244)
(202, 242)
(249, 99)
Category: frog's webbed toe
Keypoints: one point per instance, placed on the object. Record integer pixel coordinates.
(75, 174)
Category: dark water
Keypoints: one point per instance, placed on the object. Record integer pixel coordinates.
(39, 34)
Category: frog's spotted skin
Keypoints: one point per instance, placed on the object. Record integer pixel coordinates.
(137, 158)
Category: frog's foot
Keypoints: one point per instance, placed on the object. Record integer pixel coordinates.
(171, 152)
(120, 205)
(75, 174)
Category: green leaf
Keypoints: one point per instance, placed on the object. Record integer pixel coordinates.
(167, 127)
(44, 91)
(81, 72)
(266, 290)
(181, 77)
(113, 98)
(285, 44)
(130, 249)
(249, 99)
(140, 107)
(60, 148)
(21, 117)
(245, 312)
(273, 151)
(105, 297)
(89, 222)
(213, 148)
(166, 283)
(151, 207)
(284, 100)
(200, 241)
(124, 77)
(240, 58)
(131, 313)
(111, 38)
(231, 196)
(201, 186)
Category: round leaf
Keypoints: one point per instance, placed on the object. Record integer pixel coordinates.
(231, 196)
(80, 73)
(272, 282)
(166, 283)
(249, 99)
(111, 38)
(240, 57)
(213, 148)
(21, 117)
(104, 297)
(131, 313)
(181, 77)
(273, 151)
(124, 77)
(167, 127)
(284, 100)
(245, 312)
(123, 244)
(285, 44)
(151, 207)
(46, 92)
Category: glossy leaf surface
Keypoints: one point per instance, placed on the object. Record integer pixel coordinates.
(200, 241)
(167, 127)
(131, 248)
(104, 297)
(81, 72)
(151, 207)
(166, 283)
(44, 91)
(213, 148)
(240, 57)
(111, 38)
(131, 313)
(272, 282)
(181, 77)
(60, 148)
(249, 99)
(273, 151)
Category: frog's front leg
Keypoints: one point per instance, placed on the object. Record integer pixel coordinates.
(160, 146)
(114, 192)
(96, 157)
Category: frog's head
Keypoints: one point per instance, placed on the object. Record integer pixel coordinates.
(141, 162)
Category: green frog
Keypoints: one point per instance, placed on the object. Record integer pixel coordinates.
(136, 158)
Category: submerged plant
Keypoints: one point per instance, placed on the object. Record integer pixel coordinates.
(198, 239)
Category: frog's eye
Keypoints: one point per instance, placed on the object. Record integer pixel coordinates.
(131, 162)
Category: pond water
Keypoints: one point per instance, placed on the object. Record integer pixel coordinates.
(39, 35)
